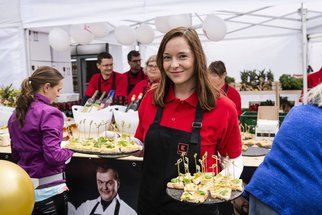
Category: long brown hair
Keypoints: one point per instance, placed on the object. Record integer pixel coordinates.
(206, 91)
(31, 85)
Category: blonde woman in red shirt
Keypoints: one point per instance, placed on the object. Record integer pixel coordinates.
(153, 73)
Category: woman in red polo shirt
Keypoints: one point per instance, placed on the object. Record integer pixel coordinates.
(185, 114)
(153, 73)
(218, 75)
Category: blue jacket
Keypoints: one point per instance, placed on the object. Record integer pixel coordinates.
(290, 178)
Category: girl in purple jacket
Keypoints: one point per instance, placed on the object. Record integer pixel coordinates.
(36, 132)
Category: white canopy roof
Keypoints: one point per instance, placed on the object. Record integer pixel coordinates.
(270, 27)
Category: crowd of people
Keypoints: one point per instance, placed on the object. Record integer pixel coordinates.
(187, 108)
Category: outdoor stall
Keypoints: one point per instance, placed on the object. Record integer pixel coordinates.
(256, 40)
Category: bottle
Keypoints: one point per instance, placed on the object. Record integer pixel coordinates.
(98, 102)
(135, 105)
(90, 102)
(131, 103)
(108, 100)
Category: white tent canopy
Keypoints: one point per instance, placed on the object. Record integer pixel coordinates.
(259, 34)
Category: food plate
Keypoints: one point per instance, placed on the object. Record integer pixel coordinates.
(106, 155)
(176, 194)
(255, 151)
(108, 147)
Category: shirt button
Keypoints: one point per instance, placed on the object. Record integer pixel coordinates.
(173, 119)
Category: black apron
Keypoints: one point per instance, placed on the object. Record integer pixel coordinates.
(99, 87)
(116, 210)
(162, 146)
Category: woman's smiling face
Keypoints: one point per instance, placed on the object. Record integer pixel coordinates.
(179, 63)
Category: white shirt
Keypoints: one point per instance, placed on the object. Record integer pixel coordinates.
(86, 207)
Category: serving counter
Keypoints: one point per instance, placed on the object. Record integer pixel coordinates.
(81, 176)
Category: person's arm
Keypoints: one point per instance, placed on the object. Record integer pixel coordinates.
(233, 167)
(51, 127)
(235, 97)
(92, 87)
(230, 145)
(139, 134)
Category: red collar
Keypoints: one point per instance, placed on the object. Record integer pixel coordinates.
(191, 100)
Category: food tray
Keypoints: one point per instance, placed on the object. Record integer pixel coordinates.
(255, 151)
(106, 155)
(176, 194)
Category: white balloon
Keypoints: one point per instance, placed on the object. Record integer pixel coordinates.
(161, 23)
(59, 39)
(144, 34)
(214, 28)
(124, 34)
(99, 29)
(81, 34)
(182, 20)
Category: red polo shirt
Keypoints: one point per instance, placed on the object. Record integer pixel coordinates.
(132, 80)
(314, 79)
(234, 96)
(106, 85)
(220, 130)
(141, 87)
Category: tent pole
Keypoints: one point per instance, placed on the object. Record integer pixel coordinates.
(27, 31)
(304, 52)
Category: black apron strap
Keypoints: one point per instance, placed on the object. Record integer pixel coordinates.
(94, 208)
(128, 82)
(99, 84)
(196, 126)
(117, 207)
(158, 115)
(114, 80)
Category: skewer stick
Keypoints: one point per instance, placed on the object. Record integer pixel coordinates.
(122, 129)
(196, 164)
(202, 166)
(216, 162)
(204, 159)
(186, 165)
(90, 128)
(242, 127)
(178, 165)
(213, 167)
(80, 122)
(84, 129)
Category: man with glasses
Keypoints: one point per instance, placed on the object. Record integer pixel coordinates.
(109, 202)
(135, 74)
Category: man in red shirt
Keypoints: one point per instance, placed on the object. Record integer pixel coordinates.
(218, 75)
(135, 74)
(107, 80)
